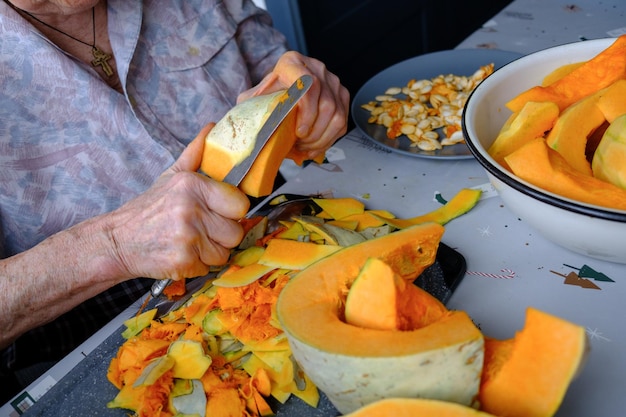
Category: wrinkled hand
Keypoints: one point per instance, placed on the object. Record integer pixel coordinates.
(322, 112)
(181, 225)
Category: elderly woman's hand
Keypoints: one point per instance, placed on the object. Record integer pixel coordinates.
(322, 112)
(181, 225)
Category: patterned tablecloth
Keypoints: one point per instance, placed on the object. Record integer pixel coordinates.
(509, 265)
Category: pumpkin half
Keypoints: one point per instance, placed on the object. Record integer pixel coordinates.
(355, 366)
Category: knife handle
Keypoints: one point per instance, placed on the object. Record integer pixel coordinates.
(158, 287)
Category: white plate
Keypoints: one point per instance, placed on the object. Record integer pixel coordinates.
(456, 61)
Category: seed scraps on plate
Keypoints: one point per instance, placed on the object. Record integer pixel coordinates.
(427, 111)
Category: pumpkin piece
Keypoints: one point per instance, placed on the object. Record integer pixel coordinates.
(232, 139)
(532, 121)
(132, 357)
(372, 299)
(339, 208)
(611, 100)
(544, 167)
(190, 361)
(559, 73)
(379, 299)
(145, 400)
(460, 204)
(442, 360)
(291, 254)
(295, 231)
(570, 132)
(225, 402)
(333, 235)
(345, 224)
(154, 370)
(243, 276)
(247, 256)
(414, 407)
(599, 72)
(271, 344)
(280, 372)
(537, 369)
(135, 325)
(369, 218)
(193, 403)
(609, 159)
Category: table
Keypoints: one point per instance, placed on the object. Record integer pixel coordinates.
(509, 265)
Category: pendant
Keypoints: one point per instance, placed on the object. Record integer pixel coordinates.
(101, 59)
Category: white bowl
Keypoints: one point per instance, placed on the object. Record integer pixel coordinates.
(583, 228)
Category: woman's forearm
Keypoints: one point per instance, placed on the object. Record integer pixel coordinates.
(38, 285)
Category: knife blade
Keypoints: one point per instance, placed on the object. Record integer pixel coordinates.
(286, 103)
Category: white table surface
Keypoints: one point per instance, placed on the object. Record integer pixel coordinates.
(509, 265)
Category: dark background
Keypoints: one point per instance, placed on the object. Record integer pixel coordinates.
(356, 39)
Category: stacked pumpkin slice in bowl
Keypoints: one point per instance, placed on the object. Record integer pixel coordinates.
(327, 300)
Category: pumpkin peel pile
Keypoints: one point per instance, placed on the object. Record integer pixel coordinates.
(229, 348)
(229, 330)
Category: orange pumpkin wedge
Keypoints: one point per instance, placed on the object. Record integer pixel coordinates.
(544, 167)
(379, 299)
(536, 368)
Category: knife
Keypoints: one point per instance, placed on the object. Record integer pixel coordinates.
(289, 100)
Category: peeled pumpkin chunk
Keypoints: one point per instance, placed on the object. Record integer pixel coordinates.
(532, 121)
(600, 71)
(190, 361)
(544, 167)
(536, 369)
(416, 407)
(355, 366)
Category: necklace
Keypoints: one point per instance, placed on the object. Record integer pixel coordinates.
(100, 58)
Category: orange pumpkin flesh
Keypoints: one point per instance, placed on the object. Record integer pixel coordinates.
(541, 165)
(415, 407)
(528, 376)
(379, 299)
(532, 121)
(599, 72)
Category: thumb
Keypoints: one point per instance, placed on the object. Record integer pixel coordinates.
(191, 157)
